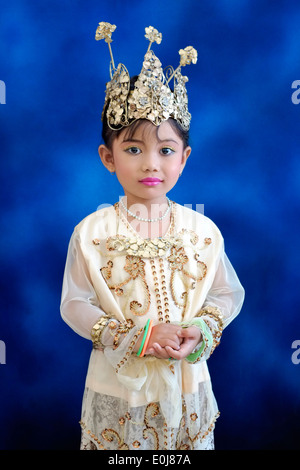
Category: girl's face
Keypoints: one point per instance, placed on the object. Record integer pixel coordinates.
(148, 163)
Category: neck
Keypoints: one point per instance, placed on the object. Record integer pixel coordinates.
(142, 213)
(145, 205)
(149, 222)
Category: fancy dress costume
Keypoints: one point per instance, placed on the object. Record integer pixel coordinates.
(114, 282)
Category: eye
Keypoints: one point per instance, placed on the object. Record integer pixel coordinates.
(167, 151)
(133, 150)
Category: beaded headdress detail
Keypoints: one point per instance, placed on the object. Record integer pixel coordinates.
(152, 97)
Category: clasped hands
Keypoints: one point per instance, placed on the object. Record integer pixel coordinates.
(172, 341)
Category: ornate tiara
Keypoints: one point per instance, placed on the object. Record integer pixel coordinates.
(151, 98)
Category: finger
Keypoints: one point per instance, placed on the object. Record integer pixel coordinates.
(171, 344)
(185, 350)
(150, 351)
(160, 352)
(173, 354)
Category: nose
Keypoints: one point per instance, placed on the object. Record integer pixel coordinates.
(151, 161)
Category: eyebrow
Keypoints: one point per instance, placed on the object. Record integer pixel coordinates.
(141, 141)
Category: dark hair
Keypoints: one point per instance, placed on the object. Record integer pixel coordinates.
(109, 135)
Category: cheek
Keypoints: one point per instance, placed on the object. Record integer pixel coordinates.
(124, 169)
(174, 169)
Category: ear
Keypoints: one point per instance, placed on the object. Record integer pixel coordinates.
(185, 156)
(107, 159)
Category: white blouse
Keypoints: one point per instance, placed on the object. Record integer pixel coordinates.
(181, 277)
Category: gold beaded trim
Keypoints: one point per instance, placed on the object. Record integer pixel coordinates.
(202, 435)
(215, 314)
(160, 290)
(129, 351)
(116, 329)
(97, 331)
(121, 329)
(144, 248)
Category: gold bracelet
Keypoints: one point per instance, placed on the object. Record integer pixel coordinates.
(116, 330)
(215, 314)
(211, 311)
(97, 331)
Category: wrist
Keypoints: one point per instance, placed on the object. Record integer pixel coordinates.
(197, 334)
(145, 339)
(138, 342)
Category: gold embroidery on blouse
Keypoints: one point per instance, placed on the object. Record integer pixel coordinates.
(177, 250)
(165, 298)
(134, 266)
(129, 351)
(194, 238)
(106, 271)
(122, 329)
(160, 292)
(177, 260)
(144, 248)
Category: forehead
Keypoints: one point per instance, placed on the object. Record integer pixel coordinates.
(146, 131)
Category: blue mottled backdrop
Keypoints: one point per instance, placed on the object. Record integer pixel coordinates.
(244, 168)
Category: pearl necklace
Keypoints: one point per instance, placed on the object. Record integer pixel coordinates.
(147, 220)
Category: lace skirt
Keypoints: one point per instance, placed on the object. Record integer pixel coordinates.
(108, 423)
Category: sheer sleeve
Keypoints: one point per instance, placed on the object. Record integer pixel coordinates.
(80, 306)
(222, 304)
(226, 292)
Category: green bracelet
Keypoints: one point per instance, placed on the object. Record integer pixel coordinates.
(144, 337)
(206, 341)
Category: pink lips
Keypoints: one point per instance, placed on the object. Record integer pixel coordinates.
(150, 181)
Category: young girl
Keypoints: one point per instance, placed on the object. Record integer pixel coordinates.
(147, 280)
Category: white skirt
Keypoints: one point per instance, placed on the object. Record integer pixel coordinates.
(109, 423)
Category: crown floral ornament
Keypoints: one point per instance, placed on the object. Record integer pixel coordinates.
(151, 98)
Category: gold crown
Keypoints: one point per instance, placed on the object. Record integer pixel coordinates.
(151, 98)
